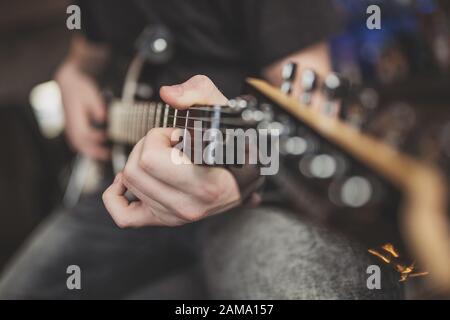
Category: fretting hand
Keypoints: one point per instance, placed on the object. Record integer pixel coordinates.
(171, 194)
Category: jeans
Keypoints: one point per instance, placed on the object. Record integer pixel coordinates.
(262, 253)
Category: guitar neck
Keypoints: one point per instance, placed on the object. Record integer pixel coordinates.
(129, 124)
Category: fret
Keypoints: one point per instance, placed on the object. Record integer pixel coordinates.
(128, 124)
(134, 123)
(122, 124)
(139, 122)
(116, 122)
(152, 115)
(118, 114)
(175, 118)
(149, 121)
(158, 115)
(185, 132)
(145, 120)
(137, 131)
(166, 115)
(143, 123)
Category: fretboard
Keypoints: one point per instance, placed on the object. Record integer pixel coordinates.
(129, 124)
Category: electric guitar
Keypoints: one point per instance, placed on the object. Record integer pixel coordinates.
(332, 170)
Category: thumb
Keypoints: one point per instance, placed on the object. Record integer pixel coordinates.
(197, 90)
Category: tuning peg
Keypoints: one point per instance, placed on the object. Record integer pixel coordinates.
(336, 88)
(242, 102)
(308, 83)
(288, 75)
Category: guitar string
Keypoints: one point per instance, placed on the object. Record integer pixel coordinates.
(140, 112)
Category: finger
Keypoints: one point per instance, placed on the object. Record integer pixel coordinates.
(165, 216)
(150, 190)
(124, 213)
(195, 180)
(197, 90)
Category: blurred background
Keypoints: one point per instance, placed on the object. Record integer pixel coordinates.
(33, 42)
(414, 43)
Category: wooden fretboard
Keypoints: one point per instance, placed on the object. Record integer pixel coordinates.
(129, 124)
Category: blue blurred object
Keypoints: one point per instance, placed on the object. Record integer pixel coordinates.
(364, 54)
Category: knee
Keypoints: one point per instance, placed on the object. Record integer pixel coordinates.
(269, 254)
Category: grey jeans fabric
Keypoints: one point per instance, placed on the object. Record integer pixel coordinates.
(264, 253)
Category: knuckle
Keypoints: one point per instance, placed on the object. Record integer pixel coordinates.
(190, 212)
(202, 81)
(210, 192)
(105, 196)
(129, 173)
(147, 161)
(122, 222)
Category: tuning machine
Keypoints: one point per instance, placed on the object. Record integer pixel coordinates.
(288, 75)
(308, 84)
(336, 89)
(252, 112)
(242, 103)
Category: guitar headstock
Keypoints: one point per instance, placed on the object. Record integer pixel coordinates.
(340, 172)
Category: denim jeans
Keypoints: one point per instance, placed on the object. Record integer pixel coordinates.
(263, 253)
